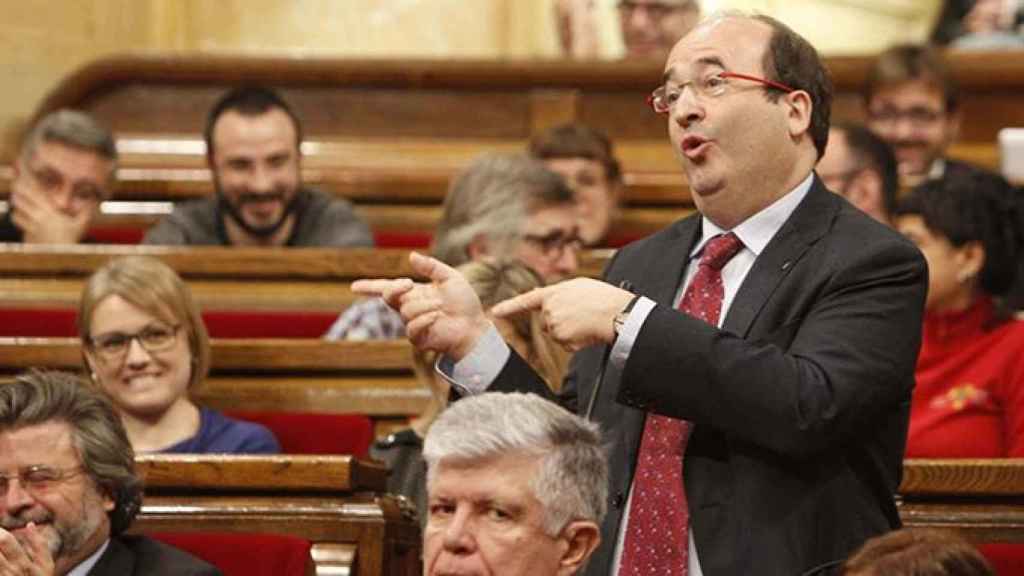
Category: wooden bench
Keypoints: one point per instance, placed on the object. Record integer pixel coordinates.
(980, 498)
(223, 278)
(389, 134)
(291, 375)
(984, 499)
(335, 502)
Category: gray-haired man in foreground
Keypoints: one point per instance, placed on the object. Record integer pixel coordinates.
(516, 486)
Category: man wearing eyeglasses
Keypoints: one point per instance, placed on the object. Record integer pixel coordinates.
(912, 101)
(859, 166)
(503, 206)
(67, 477)
(64, 171)
(751, 364)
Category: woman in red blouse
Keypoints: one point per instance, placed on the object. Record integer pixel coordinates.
(969, 398)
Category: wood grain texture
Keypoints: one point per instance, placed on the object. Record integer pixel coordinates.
(925, 478)
(337, 503)
(170, 473)
(229, 263)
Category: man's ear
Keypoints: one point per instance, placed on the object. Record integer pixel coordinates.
(582, 538)
(478, 247)
(799, 117)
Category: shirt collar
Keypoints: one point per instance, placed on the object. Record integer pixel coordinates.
(755, 232)
(937, 170)
(83, 567)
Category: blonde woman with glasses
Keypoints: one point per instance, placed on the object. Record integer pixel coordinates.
(146, 347)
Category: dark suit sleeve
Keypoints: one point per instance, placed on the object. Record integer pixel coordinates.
(840, 347)
(518, 376)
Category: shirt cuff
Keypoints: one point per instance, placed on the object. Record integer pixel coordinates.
(630, 330)
(474, 373)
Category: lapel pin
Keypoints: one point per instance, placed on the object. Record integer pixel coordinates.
(786, 264)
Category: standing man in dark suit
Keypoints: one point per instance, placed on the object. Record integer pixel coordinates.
(786, 382)
(69, 489)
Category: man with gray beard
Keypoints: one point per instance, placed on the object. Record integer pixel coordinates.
(67, 477)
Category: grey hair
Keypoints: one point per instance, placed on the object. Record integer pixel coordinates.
(572, 481)
(72, 128)
(492, 198)
(38, 397)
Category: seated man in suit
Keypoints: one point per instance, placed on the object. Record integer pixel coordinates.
(859, 166)
(64, 171)
(67, 475)
(913, 103)
(515, 484)
(752, 364)
(253, 148)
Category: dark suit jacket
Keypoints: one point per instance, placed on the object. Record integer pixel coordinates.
(142, 556)
(799, 404)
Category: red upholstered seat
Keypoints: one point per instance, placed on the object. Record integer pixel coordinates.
(401, 240)
(244, 553)
(1005, 558)
(38, 322)
(116, 235)
(306, 433)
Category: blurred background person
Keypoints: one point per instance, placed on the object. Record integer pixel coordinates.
(585, 158)
(254, 152)
(980, 24)
(502, 206)
(917, 552)
(650, 28)
(912, 101)
(576, 25)
(146, 347)
(861, 167)
(493, 282)
(969, 397)
(64, 171)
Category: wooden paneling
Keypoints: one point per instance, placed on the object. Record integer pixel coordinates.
(335, 502)
(984, 499)
(292, 375)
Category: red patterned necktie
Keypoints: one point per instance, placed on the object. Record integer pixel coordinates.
(657, 533)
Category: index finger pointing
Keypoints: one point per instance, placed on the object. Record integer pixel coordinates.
(532, 300)
(430, 267)
(384, 288)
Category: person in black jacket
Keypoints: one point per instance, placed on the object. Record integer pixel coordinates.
(792, 366)
(67, 475)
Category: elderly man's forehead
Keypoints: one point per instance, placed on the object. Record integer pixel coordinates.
(727, 38)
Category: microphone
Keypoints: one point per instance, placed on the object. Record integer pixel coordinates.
(625, 285)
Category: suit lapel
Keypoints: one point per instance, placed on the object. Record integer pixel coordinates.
(808, 223)
(663, 272)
